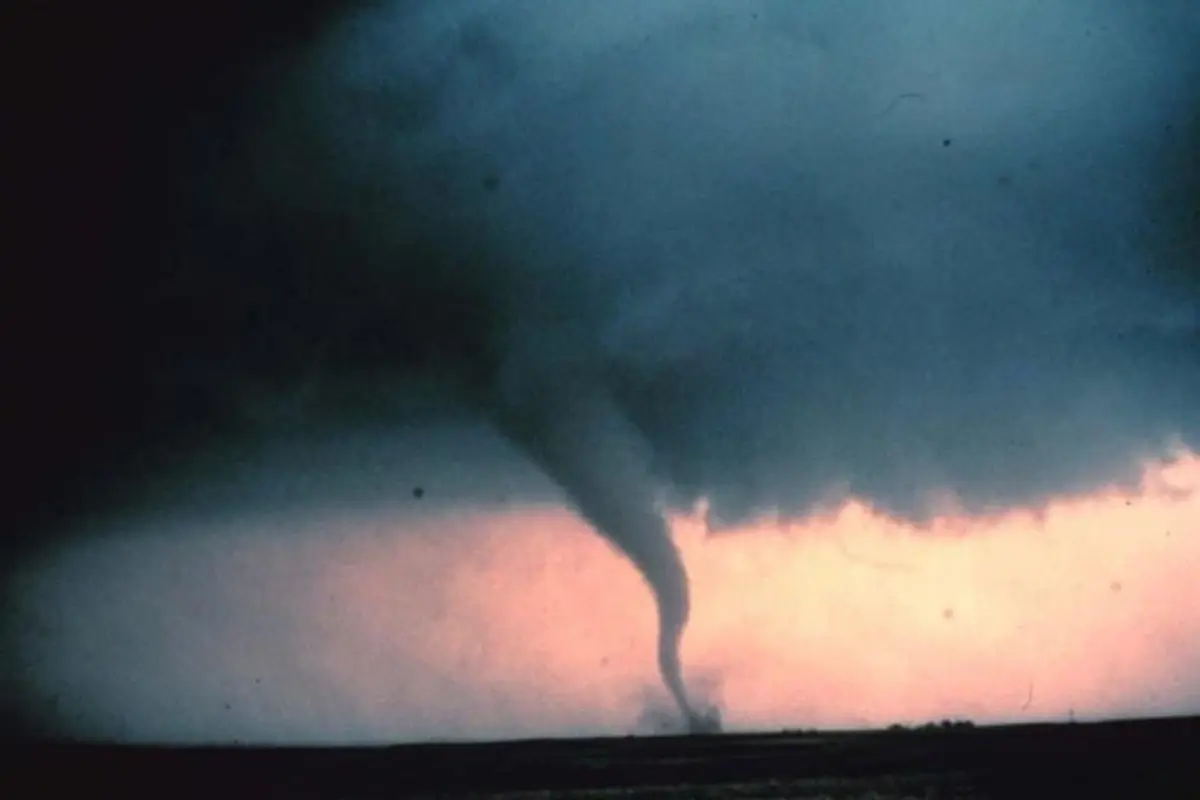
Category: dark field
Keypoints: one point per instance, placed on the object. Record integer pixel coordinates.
(1128, 759)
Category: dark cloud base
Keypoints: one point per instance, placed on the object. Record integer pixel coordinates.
(183, 306)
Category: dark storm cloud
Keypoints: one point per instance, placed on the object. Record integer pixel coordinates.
(807, 248)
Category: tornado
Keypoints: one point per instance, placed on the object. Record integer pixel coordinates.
(571, 428)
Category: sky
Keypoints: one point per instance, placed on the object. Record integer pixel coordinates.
(384, 618)
(805, 364)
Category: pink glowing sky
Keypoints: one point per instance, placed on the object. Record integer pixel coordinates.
(390, 626)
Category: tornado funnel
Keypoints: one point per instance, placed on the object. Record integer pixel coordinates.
(574, 432)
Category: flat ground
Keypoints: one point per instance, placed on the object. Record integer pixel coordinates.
(1128, 759)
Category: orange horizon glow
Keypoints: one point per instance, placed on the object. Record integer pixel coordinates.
(525, 623)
